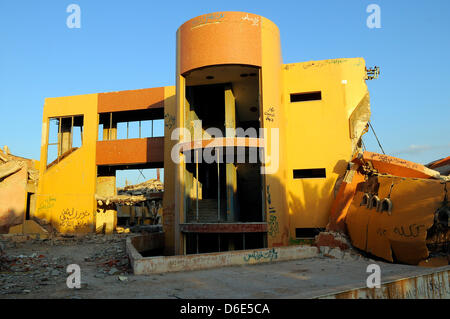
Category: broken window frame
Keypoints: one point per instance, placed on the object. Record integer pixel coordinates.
(110, 133)
(59, 144)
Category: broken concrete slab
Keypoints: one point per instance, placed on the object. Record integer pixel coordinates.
(9, 168)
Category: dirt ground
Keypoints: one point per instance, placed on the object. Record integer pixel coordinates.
(37, 269)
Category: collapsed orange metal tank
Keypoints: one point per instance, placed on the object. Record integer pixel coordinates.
(394, 209)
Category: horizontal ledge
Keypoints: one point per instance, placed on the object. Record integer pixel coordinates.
(223, 227)
(222, 142)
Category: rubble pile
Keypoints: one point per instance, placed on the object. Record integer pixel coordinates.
(26, 267)
(333, 239)
(141, 202)
(24, 273)
(148, 187)
(133, 194)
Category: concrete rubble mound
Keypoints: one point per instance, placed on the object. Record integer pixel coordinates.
(133, 194)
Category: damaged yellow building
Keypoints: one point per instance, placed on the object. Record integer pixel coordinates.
(232, 95)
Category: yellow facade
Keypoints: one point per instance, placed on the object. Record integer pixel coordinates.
(244, 60)
(66, 192)
(318, 133)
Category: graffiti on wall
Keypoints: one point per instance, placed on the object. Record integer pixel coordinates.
(411, 231)
(46, 204)
(319, 64)
(169, 121)
(270, 114)
(254, 20)
(262, 255)
(74, 219)
(272, 221)
(207, 19)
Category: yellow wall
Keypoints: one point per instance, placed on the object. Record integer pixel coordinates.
(313, 134)
(170, 118)
(318, 133)
(273, 117)
(66, 190)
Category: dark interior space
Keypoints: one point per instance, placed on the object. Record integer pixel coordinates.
(221, 242)
(208, 102)
(249, 192)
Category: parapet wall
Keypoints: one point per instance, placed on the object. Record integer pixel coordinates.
(163, 264)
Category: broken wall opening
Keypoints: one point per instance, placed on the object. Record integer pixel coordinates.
(223, 192)
(226, 99)
(65, 136)
(131, 124)
(122, 203)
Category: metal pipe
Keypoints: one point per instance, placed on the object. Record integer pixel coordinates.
(197, 243)
(218, 186)
(59, 139)
(110, 127)
(71, 134)
(196, 175)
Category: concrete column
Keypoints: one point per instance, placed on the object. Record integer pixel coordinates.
(231, 179)
(66, 135)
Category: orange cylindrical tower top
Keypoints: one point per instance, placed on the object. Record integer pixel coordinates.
(220, 38)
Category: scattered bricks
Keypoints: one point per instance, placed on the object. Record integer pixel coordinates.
(332, 239)
(335, 245)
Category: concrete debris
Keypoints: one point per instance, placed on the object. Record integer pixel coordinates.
(133, 194)
(337, 245)
(9, 168)
(333, 239)
(120, 199)
(147, 187)
(29, 266)
(113, 271)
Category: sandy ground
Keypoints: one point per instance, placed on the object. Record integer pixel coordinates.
(37, 269)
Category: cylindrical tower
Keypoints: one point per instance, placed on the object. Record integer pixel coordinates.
(228, 76)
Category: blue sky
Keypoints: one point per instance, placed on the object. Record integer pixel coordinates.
(131, 44)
